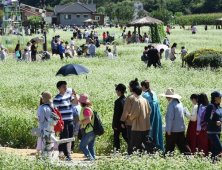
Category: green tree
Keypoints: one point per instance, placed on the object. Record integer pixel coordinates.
(101, 10)
(163, 15)
(35, 21)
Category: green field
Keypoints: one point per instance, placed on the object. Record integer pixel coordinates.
(21, 84)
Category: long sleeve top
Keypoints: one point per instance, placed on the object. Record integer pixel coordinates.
(61, 49)
(212, 115)
(118, 110)
(140, 115)
(127, 110)
(193, 115)
(45, 112)
(175, 117)
(202, 107)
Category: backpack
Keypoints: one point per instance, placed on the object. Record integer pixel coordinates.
(203, 123)
(60, 125)
(98, 128)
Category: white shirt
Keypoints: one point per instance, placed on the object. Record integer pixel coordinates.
(72, 44)
(67, 49)
(110, 55)
(29, 49)
(86, 34)
(193, 115)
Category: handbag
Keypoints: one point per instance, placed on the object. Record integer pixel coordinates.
(36, 132)
(17, 54)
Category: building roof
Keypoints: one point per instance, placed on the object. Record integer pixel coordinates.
(76, 8)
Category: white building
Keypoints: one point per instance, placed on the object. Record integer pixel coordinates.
(139, 7)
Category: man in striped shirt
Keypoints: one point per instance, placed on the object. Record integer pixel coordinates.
(63, 102)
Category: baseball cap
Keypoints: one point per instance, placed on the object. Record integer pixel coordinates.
(2, 46)
(215, 94)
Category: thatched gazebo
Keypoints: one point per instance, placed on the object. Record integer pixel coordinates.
(145, 21)
(218, 21)
(90, 21)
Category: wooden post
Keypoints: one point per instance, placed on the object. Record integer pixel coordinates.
(139, 30)
(135, 29)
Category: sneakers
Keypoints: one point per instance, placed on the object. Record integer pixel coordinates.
(68, 158)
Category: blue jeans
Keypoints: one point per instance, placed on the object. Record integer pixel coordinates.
(216, 146)
(92, 54)
(104, 41)
(88, 140)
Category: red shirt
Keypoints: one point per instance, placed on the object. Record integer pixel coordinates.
(104, 36)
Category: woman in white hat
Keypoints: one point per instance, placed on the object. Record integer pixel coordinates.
(175, 125)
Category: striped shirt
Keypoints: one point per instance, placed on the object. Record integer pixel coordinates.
(64, 105)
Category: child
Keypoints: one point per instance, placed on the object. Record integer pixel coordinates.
(67, 50)
(3, 53)
(25, 55)
(92, 49)
(183, 53)
(110, 55)
(72, 47)
(29, 51)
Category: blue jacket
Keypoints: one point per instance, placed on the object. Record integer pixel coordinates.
(156, 131)
(61, 49)
(212, 118)
(175, 117)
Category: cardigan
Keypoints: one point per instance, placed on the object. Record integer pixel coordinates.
(175, 117)
(201, 108)
(140, 115)
(127, 110)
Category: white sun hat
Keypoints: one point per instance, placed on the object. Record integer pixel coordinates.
(171, 93)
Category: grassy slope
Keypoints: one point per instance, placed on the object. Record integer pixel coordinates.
(22, 83)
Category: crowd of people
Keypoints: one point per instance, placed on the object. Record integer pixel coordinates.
(152, 56)
(136, 117)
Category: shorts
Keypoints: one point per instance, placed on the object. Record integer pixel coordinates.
(193, 32)
(172, 59)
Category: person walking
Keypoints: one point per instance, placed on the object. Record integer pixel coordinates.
(118, 110)
(191, 130)
(129, 35)
(213, 117)
(63, 102)
(140, 117)
(156, 131)
(173, 52)
(125, 120)
(104, 38)
(203, 142)
(175, 124)
(87, 144)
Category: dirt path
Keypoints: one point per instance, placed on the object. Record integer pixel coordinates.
(31, 153)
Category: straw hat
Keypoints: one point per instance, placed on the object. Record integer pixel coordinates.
(170, 93)
(46, 96)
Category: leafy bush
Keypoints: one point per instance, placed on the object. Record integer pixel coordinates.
(204, 57)
(198, 19)
(157, 33)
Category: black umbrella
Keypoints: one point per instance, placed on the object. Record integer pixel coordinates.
(72, 69)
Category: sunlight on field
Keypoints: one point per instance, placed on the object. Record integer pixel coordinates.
(22, 83)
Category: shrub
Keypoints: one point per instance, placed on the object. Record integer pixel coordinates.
(204, 57)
